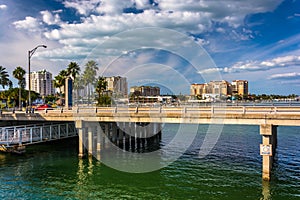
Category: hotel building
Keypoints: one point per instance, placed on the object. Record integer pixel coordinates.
(41, 82)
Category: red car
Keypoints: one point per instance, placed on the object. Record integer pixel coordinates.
(43, 107)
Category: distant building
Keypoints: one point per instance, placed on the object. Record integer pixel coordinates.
(198, 89)
(221, 88)
(144, 94)
(213, 88)
(41, 82)
(117, 86)
(145, 90)
(239, 87)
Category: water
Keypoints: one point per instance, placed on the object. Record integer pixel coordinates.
(232, 170)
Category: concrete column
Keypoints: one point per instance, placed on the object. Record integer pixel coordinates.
(114, 133)
(90, 140)
(268, 148)
(138, 136)
(127, 135)
(106, 132)
(132, 135)
(159, 132)
(122, 135)
(99, 135)
(99, 140)
(79, 126)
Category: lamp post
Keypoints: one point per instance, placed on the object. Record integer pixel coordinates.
(30, 54)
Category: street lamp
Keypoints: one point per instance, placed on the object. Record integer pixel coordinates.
(30, 54)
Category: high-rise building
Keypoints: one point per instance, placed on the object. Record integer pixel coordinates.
(41, 82)
(239, 87)
(117, 85)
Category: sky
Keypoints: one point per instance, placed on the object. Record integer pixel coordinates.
(169, 43)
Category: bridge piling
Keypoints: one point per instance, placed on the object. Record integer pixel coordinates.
(90, 140)
(80, 128)
(268, 148)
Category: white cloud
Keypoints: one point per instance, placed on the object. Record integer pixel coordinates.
(230, 11)
(292, 75)
(83, 7)
(49, 18)
(3, 7)
(283, 61)
(107, 19)
(86, 7)
(29, 23)
(192, 16)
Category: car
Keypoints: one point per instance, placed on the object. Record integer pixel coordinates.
(43, 107)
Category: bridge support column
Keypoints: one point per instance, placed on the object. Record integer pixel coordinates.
(127, 135)
(100, 136)
(80, 128)
(268, 148)
(133, 136)
(90, 140)
(106, 132)
(114, 133)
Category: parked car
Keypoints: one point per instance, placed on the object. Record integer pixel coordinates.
(43, 107)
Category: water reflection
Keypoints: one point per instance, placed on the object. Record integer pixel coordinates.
(83, 173)
(266, 194)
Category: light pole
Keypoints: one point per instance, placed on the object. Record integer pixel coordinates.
(30, 53)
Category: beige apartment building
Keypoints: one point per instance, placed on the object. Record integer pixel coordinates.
(239, 87)
(219, 89)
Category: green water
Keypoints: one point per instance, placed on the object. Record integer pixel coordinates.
(232, 170)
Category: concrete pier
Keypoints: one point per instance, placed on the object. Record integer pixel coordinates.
(268, 148)
(129, 136)
(80, 128)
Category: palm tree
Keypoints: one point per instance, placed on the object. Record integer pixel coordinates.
(89, 75)
(101, 86)
(4, 80)
(60, 80)
(73, 70)
(78, 86)
(19, 73)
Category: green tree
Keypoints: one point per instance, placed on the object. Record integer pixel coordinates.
(78, 85)
(19, 74)
(89, 75)
(73, 70)
(4, 80)
(101, 85)
(60, 79)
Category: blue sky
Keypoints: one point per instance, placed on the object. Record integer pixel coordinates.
(171, 43)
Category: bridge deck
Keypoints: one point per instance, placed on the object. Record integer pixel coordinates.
(288, 116)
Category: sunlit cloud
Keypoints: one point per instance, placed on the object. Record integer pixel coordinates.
(278, 62)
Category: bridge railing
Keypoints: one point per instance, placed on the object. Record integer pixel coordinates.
(180, 110)
(29, 134)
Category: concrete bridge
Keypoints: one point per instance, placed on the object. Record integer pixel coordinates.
(267, 117)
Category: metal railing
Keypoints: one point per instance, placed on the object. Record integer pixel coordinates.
(29, 134)
(186, 109)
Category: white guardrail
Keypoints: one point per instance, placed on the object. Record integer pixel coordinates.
(179, 110)
(29, 134)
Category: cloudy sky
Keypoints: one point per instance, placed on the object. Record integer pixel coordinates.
(170, 43)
